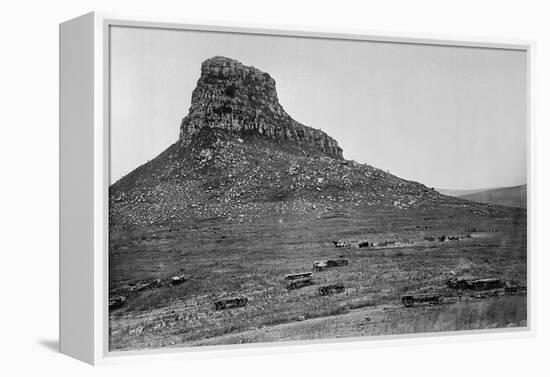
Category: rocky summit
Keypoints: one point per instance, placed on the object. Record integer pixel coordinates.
(232, 96)
(241, 156)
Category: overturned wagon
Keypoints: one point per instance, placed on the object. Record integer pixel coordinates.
(321, 265)
(299, 283)
(116, 302)
(299, 280)
(497, 292)
(299, 275)
(331, 289)
(475, 284)
(144, 285)
(177, 280)
(230, 302)
(426, 298)
(362, 244)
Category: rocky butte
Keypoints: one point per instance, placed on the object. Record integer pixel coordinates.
(232, 96)
(240, 156)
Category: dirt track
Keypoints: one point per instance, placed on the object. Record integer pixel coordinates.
(390, 320)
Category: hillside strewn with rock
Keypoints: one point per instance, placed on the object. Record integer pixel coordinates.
(240, 156)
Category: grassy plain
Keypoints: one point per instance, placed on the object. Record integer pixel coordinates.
(220, 258)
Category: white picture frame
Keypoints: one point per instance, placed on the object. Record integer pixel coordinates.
(84, 177)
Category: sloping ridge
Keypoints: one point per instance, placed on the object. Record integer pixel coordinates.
(515, 196)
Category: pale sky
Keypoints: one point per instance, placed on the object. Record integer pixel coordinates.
(448, 117)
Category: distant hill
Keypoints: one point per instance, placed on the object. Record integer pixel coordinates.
(459, 193)
(515, 196)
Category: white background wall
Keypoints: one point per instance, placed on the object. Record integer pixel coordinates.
(29, 186)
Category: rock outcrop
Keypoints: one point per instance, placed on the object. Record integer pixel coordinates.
(241, 157)
(232, 96)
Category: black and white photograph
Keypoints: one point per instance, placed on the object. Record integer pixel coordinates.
(275, 189)
(278, 188)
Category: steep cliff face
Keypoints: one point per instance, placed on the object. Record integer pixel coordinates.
(232, 96)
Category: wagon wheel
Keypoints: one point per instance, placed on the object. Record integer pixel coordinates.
(408, 301)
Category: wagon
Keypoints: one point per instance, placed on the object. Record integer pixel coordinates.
(230, 302)
(337, 262)
(299, 275)
(331, 289)
(475, 284)
(143, 285)
(427, 298)
(341, 243)
(116, 302)
(176, 280)
(321, 265)
(299, 283)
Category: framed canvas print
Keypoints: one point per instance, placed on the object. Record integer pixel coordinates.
(225, 187)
